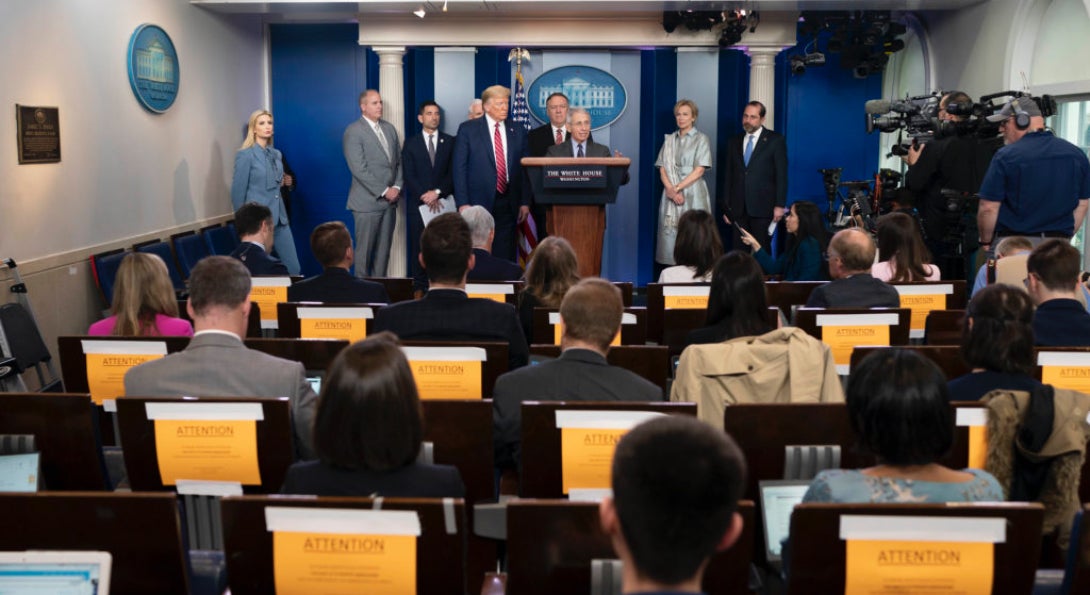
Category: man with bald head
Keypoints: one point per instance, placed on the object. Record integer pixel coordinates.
(851, 254)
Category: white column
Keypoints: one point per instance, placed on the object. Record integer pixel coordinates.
(390, 73)
(762, 79)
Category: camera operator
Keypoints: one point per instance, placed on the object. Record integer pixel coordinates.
(1037, 185)
(956, 161)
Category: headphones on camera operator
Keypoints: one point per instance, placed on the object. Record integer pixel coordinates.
(1021, 116)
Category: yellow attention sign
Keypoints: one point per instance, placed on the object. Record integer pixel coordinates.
(350, 329)
(921, 305)
(586, 456)
(495, 297)
(267, 297)
(686, 302)
(343, 564)
(899, 567)
(106, 373)
(210, 450)
(447, 379)
(1069, 377)
(978, 446)
(842, 339)
(558, 331)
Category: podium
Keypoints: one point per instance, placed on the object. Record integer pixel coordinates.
(576, 191)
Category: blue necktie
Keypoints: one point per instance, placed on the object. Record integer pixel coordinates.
(580, 153)
(749, 150)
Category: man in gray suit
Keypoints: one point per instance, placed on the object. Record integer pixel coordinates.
(216, 363)
(373, 154)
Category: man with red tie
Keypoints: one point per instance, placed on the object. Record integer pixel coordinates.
(555, 132)
(487, 168)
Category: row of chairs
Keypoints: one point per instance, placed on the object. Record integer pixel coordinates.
(180, 253)
(764, 446)
(553, 546)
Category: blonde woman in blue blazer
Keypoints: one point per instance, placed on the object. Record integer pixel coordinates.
(259, 174)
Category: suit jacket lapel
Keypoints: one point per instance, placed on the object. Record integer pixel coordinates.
(386, 151)
(488, 141)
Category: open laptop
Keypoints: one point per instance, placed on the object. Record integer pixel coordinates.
(55, 573)
(778, 499)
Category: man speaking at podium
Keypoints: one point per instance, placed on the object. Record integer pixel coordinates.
(579, 143)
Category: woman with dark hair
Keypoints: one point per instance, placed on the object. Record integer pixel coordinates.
(904, 258)
(144, 303)
(697, 249)
(553, 269)
(737, 304)
(899, 411)
(802, 260)
(997, 343)
(368, 431)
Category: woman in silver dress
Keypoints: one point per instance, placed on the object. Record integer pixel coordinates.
(683, 159)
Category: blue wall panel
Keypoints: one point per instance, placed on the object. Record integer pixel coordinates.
(317, 73)
(824, 126)
(658, 93)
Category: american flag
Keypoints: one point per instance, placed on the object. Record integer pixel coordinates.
(520, 114)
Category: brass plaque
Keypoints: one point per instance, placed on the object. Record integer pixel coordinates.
(38, 133)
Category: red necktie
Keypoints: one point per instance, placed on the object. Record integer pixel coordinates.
(559, 135)
(501, 162)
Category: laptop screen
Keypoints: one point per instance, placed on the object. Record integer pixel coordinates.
(778, 499)
(54, 573)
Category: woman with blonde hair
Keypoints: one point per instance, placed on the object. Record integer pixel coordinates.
(259, 175)
(553, 269)
(685, 155)
(144, 301)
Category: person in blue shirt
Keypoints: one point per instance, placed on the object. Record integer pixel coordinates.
(676, 483)
(802, 260)
(1037, 186)
(259, 176)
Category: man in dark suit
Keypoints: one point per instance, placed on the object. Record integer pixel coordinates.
(482, 228)
(1052, 280)
(591, 316)
(580, 142)
(756, 176)
(254, 225)
(426, 161)
(216, 363)
(446, 312)
(332, 246)
(555, 132)
(487, 168)
(851, 254)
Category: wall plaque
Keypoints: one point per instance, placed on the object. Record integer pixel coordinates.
(38, 133)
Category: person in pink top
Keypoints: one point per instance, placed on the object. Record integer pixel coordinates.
(905, 258)
(144, 301)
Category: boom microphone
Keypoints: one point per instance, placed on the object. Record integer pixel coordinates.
(878, 106)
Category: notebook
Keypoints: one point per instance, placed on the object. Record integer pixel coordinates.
(778, 499)
(55, 573)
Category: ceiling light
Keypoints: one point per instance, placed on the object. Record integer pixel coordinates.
(444, 5)
(420, 12)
